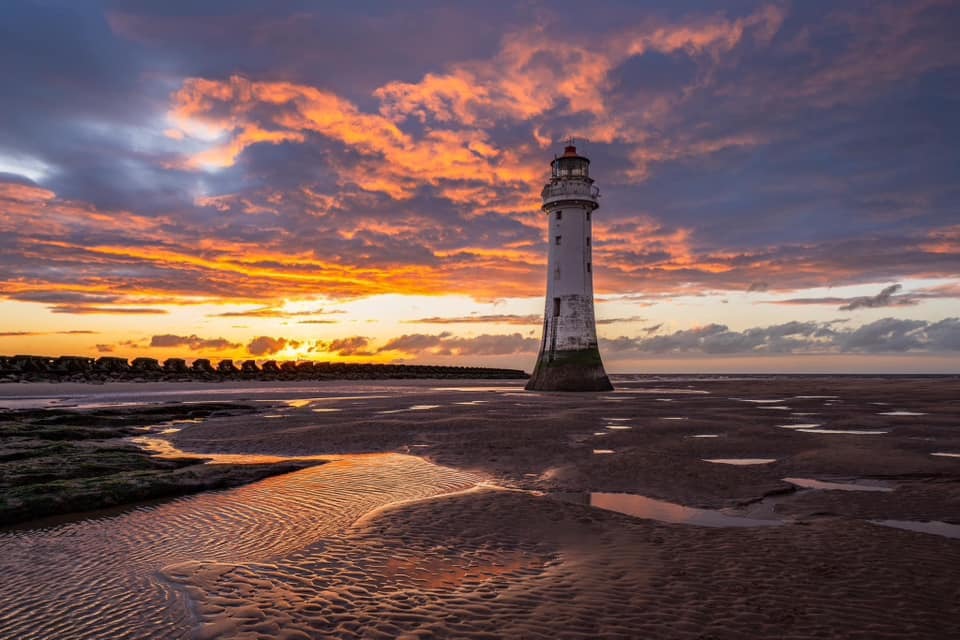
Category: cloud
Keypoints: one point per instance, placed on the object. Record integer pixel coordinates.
(493, 319)
(73, 332)
(79, 309)
(708, 130)
(604, 321)
(274, 312)
(758, 286)
(891, 334)
(446, 344)
(352, 346)
(887, 335)
(885, 298)
(265, 345)
(192, 342)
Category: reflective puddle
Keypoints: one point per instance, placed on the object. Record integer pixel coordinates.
(740, 461)
(808, 425)
(901, 413)
(935, 527)
(642, 507)
(517, 388)
(603, 451)
(416, 407)
(857, 485)
(704, 435)
(692, 392)
(759, 401)
(851, 432)
(946, 455)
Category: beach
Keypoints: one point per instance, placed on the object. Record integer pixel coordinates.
(673, 507)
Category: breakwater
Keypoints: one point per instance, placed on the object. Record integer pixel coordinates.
(29, 368)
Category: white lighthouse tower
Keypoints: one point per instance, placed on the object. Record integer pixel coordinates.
(569, 358)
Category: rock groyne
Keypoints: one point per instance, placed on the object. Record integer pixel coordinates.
(28, 368)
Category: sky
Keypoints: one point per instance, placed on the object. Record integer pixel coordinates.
(360, 181)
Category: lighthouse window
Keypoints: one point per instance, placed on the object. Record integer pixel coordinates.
(556, 273)
(589, 268)
(559, 215)
(556, 307)
(588, 215)
(557, 239)
(588, 241)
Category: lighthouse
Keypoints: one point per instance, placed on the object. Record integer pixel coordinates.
(569, 358)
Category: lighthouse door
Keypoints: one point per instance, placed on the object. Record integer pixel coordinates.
(553, 326)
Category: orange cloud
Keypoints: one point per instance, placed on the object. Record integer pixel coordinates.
(529, 78)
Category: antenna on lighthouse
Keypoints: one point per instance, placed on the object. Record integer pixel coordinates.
(573, 141)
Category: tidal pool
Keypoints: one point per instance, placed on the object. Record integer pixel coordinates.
(934, 527)
(859, 485)
(663, 511)
(850, 432)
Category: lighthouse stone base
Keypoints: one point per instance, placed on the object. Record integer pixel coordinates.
(579, 370)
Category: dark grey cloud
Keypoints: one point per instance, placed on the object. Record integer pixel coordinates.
(446, 344)
(487, 318)
(273, 312)
(265, 345)
(80, 309)
(605, 321)
(351, 346)
(885, 298)
(887, 335)
(73, 332)
(414, 342)
(192, 342)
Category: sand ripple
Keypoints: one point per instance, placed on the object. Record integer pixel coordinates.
(98, 578)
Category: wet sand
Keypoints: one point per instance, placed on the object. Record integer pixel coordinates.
(488, 532)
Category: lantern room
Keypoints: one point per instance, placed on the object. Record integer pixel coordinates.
(570, 165)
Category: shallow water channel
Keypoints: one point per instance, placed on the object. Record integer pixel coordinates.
(98, 578)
